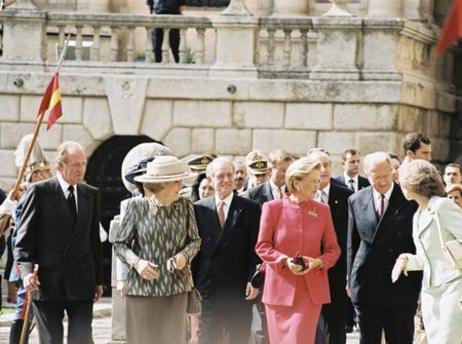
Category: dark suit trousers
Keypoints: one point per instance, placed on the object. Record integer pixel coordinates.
(332, 322)
(49, 316)
(223, 324)
(157, 40)
(396, 321)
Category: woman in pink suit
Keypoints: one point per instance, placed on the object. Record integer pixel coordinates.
(297, 242)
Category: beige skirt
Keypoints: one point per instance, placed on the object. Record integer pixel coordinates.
(161, 320)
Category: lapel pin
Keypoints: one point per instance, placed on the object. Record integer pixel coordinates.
(313, 213)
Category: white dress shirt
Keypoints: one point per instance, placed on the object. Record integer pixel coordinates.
(323, 195)
(276, 191)
(64, 186)
(378, 197)
(227, 204)
(355, 181)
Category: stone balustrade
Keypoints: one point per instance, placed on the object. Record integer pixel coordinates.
(224, 45)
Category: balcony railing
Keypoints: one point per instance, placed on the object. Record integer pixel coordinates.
(342, 48)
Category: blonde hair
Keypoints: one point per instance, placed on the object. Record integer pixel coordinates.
(299, 169)
(421, 177)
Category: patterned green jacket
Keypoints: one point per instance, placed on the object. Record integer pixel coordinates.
(157, 233)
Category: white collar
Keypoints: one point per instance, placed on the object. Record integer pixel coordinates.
(227, 200)
(326, 190)
(347, 178)
(64, 185)
(387, 194)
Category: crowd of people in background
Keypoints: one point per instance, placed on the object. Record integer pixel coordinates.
(273, 247)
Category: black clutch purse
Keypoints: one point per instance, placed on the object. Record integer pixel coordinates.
(258, 278)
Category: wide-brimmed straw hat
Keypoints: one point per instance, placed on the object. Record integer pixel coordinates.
(165, 169)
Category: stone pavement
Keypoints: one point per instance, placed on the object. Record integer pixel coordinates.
(101, 325)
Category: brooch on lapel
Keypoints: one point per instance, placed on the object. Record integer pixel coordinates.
(313, 213)
(335, 202)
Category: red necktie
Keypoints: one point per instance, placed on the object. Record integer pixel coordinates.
(221, 214)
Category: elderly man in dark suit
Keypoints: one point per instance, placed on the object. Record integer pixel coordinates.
(228, 226)
(351, 159)
(333, 318)
(379, 230)
(59, 231)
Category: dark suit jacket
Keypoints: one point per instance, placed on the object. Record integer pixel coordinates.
(227, 257)
(374, 245)
(363, 182)
(260, 194)
(68, 253)
(338, 203)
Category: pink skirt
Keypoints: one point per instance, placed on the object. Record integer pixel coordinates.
(294, 324)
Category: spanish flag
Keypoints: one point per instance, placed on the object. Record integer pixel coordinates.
(51, 101)
(452, 29)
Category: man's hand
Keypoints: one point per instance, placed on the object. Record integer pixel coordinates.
(98, 292)
(251, 292)
(147, 270)
(348, 291)
(31, 282)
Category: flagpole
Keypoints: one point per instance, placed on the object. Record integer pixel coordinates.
(37, 128)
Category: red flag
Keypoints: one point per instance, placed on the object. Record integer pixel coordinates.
(51, 101)
(452, 29)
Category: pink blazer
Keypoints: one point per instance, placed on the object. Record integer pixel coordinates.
(288, 229)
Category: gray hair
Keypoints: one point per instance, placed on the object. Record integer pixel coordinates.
(220, 161)
(318, 153)
(422, 178)
(155, 187)
(373, 159)
(65, 148)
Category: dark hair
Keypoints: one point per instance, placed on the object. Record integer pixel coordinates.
(413, 141)
(453, 164)
(350, 151)
(394, 157)
(195, 187)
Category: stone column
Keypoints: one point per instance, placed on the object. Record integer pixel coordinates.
(290, 8)
(336, 34)
(387, 9)
(260, 8)
(380, 48)
(235, 42)
(24, 32)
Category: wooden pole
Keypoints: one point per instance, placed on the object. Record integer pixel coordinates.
(25, 324)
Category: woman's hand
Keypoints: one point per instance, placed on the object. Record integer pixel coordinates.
(399, 267)
(121, 288)
(313, 263)
(147, 270)
(295, 268)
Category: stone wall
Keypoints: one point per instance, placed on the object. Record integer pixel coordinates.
(196, 116)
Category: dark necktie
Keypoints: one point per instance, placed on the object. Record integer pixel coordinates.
(71, 201)
(351, 185)
(221, 214)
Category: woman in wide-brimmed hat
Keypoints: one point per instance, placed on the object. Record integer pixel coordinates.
(158, 239)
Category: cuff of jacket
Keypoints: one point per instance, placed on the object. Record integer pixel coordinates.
(25, 268)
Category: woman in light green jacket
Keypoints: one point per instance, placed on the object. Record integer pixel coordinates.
(441, 297)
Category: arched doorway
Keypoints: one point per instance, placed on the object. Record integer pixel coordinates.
(103, 172)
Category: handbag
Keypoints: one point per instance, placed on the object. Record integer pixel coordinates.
(452, 249)
(194, 302)
(258, 277)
